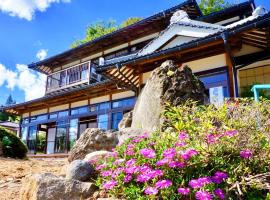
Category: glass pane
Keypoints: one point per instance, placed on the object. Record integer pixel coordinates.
(25, 121)
(24, 134)
(104, 106)
(116, 118)
(73, 132)
(124, 103)
(215, 80)
(93, 108)
(53, 116)
(32, 136)
(61, 135)
(39, 118)
(63, 114)
(41, 142)
(103, 121)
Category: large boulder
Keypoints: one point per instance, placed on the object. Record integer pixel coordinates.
(93, 139)
(126, 121)
(80, 170)
(126, 133)
(171, 84)
(50, 187)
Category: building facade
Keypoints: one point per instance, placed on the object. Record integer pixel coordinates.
(94, 84)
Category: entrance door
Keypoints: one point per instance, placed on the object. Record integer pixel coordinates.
(51, 140)
(32, 139)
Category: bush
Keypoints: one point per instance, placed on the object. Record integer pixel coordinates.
(12, 145)
(204, 153)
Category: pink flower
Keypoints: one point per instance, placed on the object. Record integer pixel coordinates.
(117, 171)
(246, 154)
(205, 180)
(130, 150)
(148, 153)
(219, 193)
(131, 162)
(127, 178)
(169, 153)
(100, 167)
(132, 170)
(189, 153)
(219, 177)
(119, 161)
(195, 184)
(203, 195)
(180, 144)
(142, 178)
(151, 191)
(109, 184)
(183, 191)
(231, 133)
(163, 184)
(176, 164)
(183, 136)
(163, 161)
(106, 173)
(211, 138)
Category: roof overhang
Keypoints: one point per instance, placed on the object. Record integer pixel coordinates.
(142, 28)
(88, 92)
(254, 33)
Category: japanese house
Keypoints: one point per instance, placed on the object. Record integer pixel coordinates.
(94, 84)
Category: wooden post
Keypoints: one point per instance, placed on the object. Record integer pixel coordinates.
(229, 64)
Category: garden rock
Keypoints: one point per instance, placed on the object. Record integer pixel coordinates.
(95, 156)
(167, 84)
(50, 187)
(127, 133)
(126, 121)
(80, 170)
(93, 139)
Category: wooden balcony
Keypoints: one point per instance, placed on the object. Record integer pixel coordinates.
(75, 75)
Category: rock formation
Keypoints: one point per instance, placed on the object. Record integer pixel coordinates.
(167, 84)
(92, 140)
(50, 187)
(80, 170)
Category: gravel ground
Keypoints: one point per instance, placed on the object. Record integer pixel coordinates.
(12, 171)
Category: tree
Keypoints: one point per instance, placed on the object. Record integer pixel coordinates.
(101, 28)
(8, 117)
(96, 30)
(209, 6)
(130, 21)
(10, 101)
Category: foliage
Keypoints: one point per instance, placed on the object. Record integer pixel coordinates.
(204, 152)
(130, 21)
(8, 117)
(101, 28)
(12, 145)
(209, 6)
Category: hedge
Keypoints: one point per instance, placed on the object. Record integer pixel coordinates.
(12, 145)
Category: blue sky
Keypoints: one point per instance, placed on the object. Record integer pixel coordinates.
(51, 26)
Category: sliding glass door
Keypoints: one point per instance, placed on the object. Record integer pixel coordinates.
(61, 137)
(32, 139)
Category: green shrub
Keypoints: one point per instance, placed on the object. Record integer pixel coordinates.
(12, 145)
(203, 153)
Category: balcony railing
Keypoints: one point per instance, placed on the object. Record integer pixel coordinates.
(69, 77)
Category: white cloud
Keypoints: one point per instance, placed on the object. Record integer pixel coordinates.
(30, 82)
(42, 54)
(26, 8)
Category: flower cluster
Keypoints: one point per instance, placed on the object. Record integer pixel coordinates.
(146, 163)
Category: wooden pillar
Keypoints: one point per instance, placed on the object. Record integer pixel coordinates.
(229, 64)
